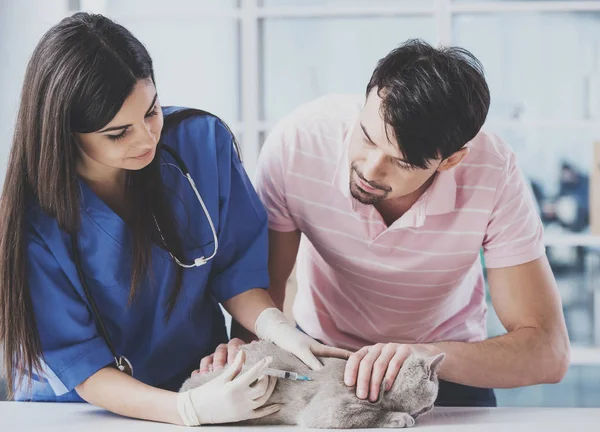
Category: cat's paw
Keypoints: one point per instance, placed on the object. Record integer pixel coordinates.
(400, 420)
(423, 411)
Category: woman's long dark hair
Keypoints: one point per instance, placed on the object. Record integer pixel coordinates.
(77, 79)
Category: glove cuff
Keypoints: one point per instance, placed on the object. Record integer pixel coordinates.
(186, 409)
(267, 321)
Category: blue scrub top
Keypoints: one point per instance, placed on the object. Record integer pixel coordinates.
(163, 353)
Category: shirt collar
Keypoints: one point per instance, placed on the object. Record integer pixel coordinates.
(441, 195)
(341, 177)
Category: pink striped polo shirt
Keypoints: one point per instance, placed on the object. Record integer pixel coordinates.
(420, 279)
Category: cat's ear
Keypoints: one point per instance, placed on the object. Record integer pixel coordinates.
(436, 361)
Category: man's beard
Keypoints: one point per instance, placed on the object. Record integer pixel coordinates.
(363, 196)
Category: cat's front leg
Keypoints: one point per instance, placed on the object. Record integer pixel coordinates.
(423, 411)
(331, 412)
(396, 420)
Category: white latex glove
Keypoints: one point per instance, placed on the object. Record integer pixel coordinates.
(272, 325)
(229, 397)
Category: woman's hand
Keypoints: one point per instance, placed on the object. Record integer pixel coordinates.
(272, 325)
(223, 355)
(230, 397)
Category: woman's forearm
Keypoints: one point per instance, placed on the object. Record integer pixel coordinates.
(121, 394)
(247, 306)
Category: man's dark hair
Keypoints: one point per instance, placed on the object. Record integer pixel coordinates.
(435, 100)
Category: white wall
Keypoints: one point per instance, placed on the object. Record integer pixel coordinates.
(22, 23)
(195, 56)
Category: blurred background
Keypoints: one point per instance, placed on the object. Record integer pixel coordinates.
(252, 61)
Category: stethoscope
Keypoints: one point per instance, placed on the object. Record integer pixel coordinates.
(121, 362)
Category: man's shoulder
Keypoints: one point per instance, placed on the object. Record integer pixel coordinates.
(322, 115)
(334, 106)
(488, 150)
(318, 128)
(489, 166)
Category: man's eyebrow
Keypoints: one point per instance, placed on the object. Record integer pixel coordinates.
(373, 142)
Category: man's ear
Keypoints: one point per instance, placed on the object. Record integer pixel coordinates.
(454, 159)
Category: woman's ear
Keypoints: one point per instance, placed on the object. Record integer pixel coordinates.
(454, 159)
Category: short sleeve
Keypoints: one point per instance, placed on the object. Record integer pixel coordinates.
(514, 233)
(73, 350)
(270, 180)
(241, 261)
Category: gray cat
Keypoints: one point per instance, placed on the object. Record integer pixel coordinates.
(326, 402)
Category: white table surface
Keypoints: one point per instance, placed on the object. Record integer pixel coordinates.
(25, 417)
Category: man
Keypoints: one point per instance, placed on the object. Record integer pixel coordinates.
(384, 205)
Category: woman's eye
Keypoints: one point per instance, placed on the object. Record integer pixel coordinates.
(117, 137)
(153, 112)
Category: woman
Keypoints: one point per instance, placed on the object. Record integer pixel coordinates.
(109, 256)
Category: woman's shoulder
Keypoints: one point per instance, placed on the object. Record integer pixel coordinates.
(40, 227)
(186, 129)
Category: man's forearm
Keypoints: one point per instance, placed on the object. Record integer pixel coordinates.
(522, 357)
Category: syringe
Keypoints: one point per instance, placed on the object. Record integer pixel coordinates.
(286, 375)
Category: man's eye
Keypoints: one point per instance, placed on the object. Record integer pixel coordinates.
(367, 142)
(404, 165)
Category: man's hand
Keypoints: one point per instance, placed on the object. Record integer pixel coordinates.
(223, 355)
(371, 365)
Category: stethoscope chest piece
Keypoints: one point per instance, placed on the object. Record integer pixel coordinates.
(124, 365)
